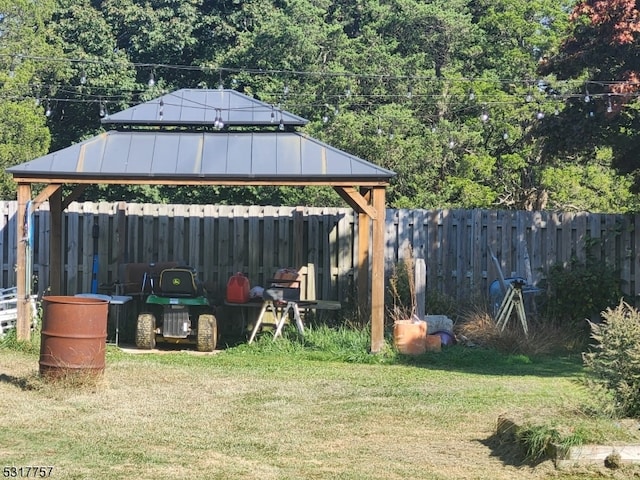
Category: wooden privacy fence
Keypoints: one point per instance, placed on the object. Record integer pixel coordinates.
(322, 242)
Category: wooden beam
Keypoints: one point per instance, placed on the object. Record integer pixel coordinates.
(356, 200)
(377, 271)
(44, 195)
(23, 321)
(349, 182)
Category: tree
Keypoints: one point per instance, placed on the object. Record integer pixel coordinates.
(24, 38)
(600, 57)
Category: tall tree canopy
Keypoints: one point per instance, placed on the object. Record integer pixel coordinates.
(446, 93)
(600, 58)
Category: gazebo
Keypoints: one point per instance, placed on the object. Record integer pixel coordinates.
(206, 137)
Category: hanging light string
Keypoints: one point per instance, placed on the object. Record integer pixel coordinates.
(353, 99)
(211, 69)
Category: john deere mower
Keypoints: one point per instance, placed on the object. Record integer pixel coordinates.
(176, 311)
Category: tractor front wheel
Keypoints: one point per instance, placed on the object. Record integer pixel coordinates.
(146, 331)
(207, 333)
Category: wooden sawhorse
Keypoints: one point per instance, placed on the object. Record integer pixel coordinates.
(280, 312)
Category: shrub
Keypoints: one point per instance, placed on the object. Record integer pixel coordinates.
(614, 363)
(580, 292)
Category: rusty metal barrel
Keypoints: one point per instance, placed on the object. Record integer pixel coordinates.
(74, 333)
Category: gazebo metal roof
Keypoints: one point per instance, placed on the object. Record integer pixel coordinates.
(197, 107)
(202, 156)
(152, 154)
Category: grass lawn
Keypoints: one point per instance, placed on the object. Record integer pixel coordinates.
(289, 410)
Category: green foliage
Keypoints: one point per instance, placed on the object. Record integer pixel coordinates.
(388, 82)
(542, 441)
(580, 291)
(320, 343)
(614, 362)
(10, 341)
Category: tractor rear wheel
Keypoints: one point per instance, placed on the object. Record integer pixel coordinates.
(207, 333)
(146, 331)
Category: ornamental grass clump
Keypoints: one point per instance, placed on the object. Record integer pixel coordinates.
(614, 362)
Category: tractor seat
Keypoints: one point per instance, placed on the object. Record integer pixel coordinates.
(179, 282)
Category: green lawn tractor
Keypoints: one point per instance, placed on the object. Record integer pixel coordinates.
(176, 311)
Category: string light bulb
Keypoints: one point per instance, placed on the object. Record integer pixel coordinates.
(281, 124)
(83, 78)
(103, 110)
(540, 115)
(152, 80)
(609, 105)
(484, 116)
(472, 95)
(217, 122)
(47, 112)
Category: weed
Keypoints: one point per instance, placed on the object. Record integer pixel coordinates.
(10, 341)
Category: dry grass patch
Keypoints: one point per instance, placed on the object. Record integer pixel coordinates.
(479, 328)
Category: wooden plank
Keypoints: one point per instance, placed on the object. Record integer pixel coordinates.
(239, 246)
(255, 241)
(162, 239)
(439, 249)
(567, 247)
(392, 251)
(313, 255)
(42, 262)
(196, 217)
(86, 218)
(208, 240)
(344, 253)
(610, 240)
(225, 266)
(268, 245)
(456, 253)
(12, 243)
(72, 282)
(285, 224)
(177, 246)
(626, 253)
(106, 266)
(325, 275)
(553, 225)
(477, 282)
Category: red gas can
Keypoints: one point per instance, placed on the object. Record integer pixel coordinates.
(238, 289)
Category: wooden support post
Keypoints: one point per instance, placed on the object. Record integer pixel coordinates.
(55, 242)
(363, 264)
(23, 321)
(377, 271)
